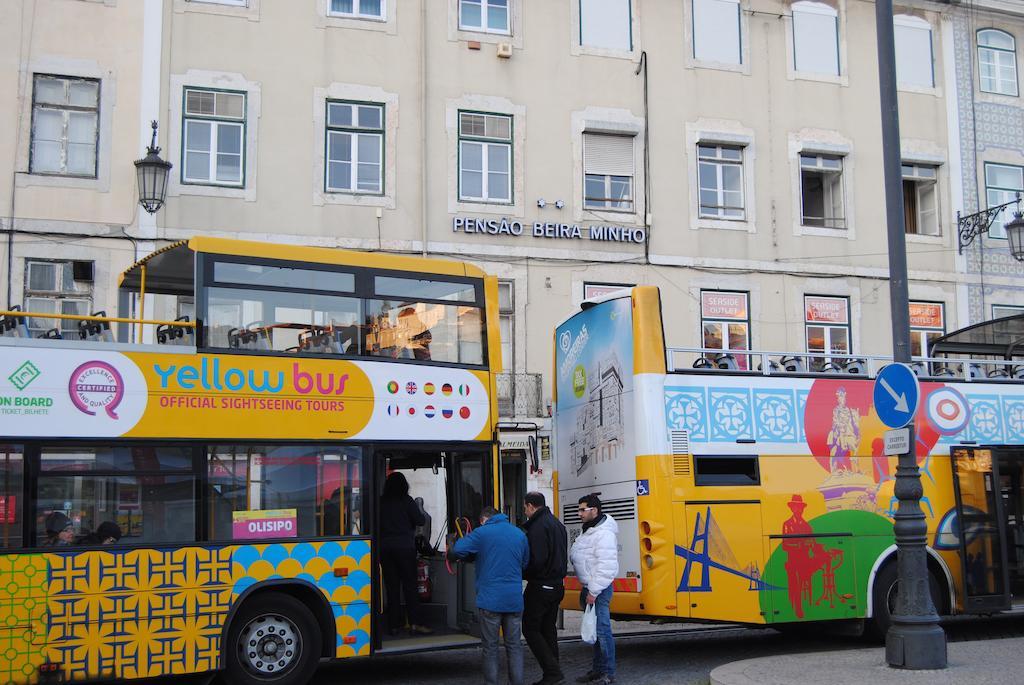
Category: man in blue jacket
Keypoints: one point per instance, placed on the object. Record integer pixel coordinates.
(501, 554)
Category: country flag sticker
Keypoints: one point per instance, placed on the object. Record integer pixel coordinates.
(447, 413)
(410, 388)
(464, 412)
(464, 390)
(446, 389)
(412, 411)
(393, 410)
(393, 387)
(428, 388)
(428, 411)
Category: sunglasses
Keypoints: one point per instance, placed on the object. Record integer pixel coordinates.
(583, 509)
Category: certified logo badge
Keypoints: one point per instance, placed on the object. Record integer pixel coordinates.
(96, 385)
(565, 340)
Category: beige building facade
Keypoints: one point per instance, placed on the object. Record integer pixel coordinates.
(727, 151)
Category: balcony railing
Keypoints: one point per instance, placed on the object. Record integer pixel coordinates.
(519, 395)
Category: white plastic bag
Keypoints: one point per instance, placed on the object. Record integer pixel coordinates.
(588, 629)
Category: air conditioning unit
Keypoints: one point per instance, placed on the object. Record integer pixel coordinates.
(504, 50)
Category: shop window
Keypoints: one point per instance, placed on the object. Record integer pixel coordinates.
(606, 24)
(920, 205)
(815, 38)
(725, 323)
(286, 491)
(12, 473)
(51, 287)
(95, 495)
(827, 328)
(997, 62)
(65, 126)
(821, 191)
(927, 323)
(716, 31)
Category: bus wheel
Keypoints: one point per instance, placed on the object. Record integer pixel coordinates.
(883, 599)
(274, 639)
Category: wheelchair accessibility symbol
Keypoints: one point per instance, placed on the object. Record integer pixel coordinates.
(643, 488)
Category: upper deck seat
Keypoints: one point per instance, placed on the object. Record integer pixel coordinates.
(95, 330)
(14, 326)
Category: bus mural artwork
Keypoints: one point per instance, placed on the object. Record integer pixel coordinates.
(197, 494)
(767, 497)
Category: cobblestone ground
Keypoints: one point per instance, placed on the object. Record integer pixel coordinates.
(647, 655)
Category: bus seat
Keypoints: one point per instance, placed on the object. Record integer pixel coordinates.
(259, 336)
(998, 372)
(856, 367)
(793, 364)
(14, 326)
(703, 362)
(1017, 371)
(726, 361)
(346, 339)
(52, 334)
(974, 370)
(95, 330)
(773, 366)
(832, 367)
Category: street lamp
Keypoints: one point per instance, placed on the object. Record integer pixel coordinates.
(971, 226)
(152, 173)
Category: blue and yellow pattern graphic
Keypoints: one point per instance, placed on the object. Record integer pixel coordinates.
(142, 613)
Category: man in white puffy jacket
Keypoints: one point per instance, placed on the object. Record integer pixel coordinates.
(595, 557)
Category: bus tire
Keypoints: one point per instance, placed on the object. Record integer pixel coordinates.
(274, 639)
(883, 599)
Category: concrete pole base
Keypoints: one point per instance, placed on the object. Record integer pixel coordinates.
(916, 647)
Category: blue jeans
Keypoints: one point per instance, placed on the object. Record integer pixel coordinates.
(510, 624)
(604, 648)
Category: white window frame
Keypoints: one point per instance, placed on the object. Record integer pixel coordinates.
(922, 333)
(357, 13)
(820, 168)
(902, 24)
(508, 314)
(66, 109)
(994, 53)
(719, 163)
(696, 36)
(217, 122)
(485, 11)
(605, 203)
(997, 195)
(357, 133)
(56, 295)
(924, 178)
(813, 7)
(486, 142)
(580, 15)
(828, 327)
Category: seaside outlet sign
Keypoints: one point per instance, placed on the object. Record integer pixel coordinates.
(548, 229)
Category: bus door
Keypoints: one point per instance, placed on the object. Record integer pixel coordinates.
(471, 491)
(981, 528)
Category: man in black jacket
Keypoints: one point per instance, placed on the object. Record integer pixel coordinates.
(545, 575)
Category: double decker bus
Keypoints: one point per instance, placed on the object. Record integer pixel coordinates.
(754, 487)
(199, 490)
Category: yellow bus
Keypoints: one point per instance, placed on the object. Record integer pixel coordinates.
(754, 488)
(198, 490)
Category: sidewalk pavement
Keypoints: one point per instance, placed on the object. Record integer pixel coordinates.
(978, 662)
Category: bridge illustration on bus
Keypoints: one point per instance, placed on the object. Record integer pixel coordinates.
(200, 490)
(753, 487)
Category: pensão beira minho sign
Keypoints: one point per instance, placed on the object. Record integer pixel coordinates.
(548, 229)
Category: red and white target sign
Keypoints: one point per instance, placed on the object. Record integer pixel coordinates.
(948, 411)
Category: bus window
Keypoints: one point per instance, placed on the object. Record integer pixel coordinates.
(260, 275)
(282, 491)
(281, 320)
(721, 469)
(403, 329)
(84, 496)
(415, 288)
(12, 469)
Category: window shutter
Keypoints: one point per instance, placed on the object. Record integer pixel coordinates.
(607, 155)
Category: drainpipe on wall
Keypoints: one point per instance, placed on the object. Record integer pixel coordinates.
(423, 125)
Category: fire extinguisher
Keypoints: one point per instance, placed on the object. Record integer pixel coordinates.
(424, 588)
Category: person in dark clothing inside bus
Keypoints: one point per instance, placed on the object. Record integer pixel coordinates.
(544, 576)
(399, 516)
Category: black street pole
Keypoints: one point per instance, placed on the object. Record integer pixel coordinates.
(915, 640)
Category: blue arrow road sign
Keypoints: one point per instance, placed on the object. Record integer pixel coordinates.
(896, 395)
